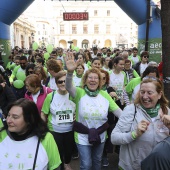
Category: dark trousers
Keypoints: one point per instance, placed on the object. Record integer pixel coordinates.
(65, 143)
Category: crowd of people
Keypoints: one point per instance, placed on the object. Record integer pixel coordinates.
(79, 104)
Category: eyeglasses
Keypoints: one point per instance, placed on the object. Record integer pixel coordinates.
(91, 78)
(145, 56)
(30, 72)
(61, 81)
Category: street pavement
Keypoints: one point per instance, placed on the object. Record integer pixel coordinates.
(113, 162)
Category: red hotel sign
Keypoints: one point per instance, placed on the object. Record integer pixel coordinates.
(75, 16)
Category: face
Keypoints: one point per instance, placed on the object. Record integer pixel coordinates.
(145, 59)
(120, 65)
(61, 84)
(17, 62)
(23, 64)
(104, 51)
(80, 58)
(135, 53)
(92, 81)
(96, 64)
(29, 88)
(79, 70)
(15, 120)
(148, 95)
(107, 59)
(103, 79)
(127, 66)
(152, 75)
(60, 53)
(30, 71)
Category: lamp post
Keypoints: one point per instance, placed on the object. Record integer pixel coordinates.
(70, 42)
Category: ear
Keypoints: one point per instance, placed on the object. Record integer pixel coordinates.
(160, 95)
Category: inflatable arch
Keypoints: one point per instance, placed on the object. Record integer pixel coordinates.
(135, 9)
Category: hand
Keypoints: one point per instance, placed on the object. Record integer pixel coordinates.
(166, 120)
(142, 127)
(70, 63)
(2, 69)
(113, 94)
(3, 84)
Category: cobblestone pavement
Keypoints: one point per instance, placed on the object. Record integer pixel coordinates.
(113, 163)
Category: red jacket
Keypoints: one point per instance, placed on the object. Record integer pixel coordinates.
(40, 100)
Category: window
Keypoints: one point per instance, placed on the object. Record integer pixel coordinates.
(74, 29)
(96, 29)
(43, 26)
(107, 29)
(95, 12)
(38, 32)
(85, 29)
(61, 29)
(108, 12)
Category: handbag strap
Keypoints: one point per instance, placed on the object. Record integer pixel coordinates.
(36, 153)
(135, 112)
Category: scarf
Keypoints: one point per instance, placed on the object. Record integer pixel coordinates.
(91, 93)
(79, 76)
(153, 112)
(104, 87)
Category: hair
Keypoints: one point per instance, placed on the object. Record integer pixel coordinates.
(28, 67)
(2, 80)
(17, 58)
(94, 59)
(89, 55)
(77, 54)
(153, 63)
(134, 49)
(34, 80)
(42, 71)
(23, 58)
(114, 61)
(107, 76)
(40, 60)
(59, 75)
(53, 65)
(150, 69)
(159, 88)
(144, 53)
(31, 116)
(127, 61)
(81, 66)
(93, 70)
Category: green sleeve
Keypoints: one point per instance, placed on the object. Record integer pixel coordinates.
(52, 151)
(46, 105)
(135, 74)
(3, 133)
(125, 78)
(8, 65)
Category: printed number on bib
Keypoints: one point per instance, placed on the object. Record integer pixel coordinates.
(64, 116)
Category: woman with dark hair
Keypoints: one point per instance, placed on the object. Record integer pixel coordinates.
(96, 63)
(25, 142)
(29, 69)
(133, 86)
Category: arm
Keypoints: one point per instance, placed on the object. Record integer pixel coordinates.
(135, 74)
(69, 85)
(43, 117)
(71, 66)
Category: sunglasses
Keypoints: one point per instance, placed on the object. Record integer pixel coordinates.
(61, 81)
(31, 72)
(145, 56)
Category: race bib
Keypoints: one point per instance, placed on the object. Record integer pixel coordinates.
(64, 116)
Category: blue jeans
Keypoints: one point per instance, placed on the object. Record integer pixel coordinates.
(90, 156)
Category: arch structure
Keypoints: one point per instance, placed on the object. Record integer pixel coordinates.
(135, 9)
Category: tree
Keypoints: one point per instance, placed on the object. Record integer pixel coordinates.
(165, 24)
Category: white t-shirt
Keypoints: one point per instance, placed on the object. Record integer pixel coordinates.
(52, 83)
(143, 67)
(77, 81)
(35, 96)
(19, 155)
(135, 59)
(92, 112)
(117, 82)
(60, 104)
